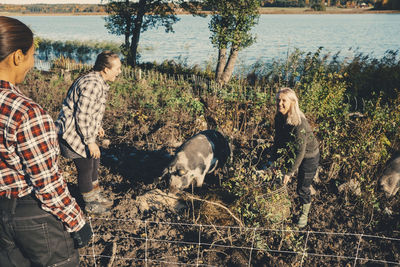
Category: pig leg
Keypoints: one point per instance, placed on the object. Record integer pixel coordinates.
(199, 178)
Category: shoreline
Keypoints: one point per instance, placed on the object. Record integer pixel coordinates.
(263, 11)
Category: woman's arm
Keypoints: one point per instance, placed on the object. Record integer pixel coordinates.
(38, 151)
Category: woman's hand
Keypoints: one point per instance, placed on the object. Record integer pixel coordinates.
(286, 179)
(101, 132)
(94, 150)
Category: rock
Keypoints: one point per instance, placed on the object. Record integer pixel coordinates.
(351, 186)
(158, 200)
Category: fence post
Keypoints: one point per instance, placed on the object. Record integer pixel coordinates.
(358, 249)
(91, 227)
(199, 245)
(145, 252)
(252, 245)
(305, 248)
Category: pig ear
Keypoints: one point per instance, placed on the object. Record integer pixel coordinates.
(182, 172)
(168, 170)
(165, 172)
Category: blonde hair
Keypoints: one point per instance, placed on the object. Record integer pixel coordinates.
(294, 114)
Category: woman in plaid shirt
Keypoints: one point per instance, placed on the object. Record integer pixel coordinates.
(37, 210)
(80, 123)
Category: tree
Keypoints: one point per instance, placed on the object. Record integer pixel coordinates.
(130, 19)
(230, 27)
(387, 4)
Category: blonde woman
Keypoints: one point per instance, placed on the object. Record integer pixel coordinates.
(294, 134)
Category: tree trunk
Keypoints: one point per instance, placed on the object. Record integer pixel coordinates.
(128, 19)
(226, 76)
(132, 54)
(221, 64)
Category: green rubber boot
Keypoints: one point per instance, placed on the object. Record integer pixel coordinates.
(305, 209)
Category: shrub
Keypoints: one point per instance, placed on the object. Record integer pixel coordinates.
(318, 7)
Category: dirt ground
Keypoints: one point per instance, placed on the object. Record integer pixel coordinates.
(148, 227)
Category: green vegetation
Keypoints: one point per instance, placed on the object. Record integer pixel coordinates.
(387, 4)
(75, 50)
(320, 6)
(356, 138)
(230, 27)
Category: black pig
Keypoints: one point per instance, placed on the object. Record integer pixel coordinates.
(201, 154)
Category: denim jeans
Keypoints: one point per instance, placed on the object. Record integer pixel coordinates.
(307, 171)
(30, 236)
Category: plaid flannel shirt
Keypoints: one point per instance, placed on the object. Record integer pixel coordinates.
(28, 157)
(82, 112)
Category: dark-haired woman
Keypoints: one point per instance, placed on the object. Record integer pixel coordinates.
(293, 132)
(79, 124)
(37, 210)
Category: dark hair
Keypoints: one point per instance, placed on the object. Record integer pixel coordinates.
(103, 60)
(14, 35)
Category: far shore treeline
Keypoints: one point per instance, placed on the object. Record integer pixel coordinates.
(266, 6)
(52, 8)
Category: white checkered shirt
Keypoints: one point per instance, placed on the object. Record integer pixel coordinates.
(82, 112)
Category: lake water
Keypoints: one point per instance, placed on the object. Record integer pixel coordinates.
(276, 35)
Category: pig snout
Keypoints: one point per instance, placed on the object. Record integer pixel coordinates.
(390, 184)
(179, 180)
(175, 184)
(390, 180)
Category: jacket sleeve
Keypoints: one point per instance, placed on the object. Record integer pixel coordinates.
(38, 151)
(301, 143)
(274, 148)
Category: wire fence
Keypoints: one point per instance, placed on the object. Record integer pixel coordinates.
(199, 84)
(143, 242)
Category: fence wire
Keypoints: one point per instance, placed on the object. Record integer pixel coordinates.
(358, 257)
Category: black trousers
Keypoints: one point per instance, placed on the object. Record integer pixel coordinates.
(30, 236)
(87, 173)
(307, 170)
(87, 167)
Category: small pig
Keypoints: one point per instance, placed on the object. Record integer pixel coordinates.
(198, 156)
(390, 180)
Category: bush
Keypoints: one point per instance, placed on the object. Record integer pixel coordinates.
(370, 77)
(318, 7)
